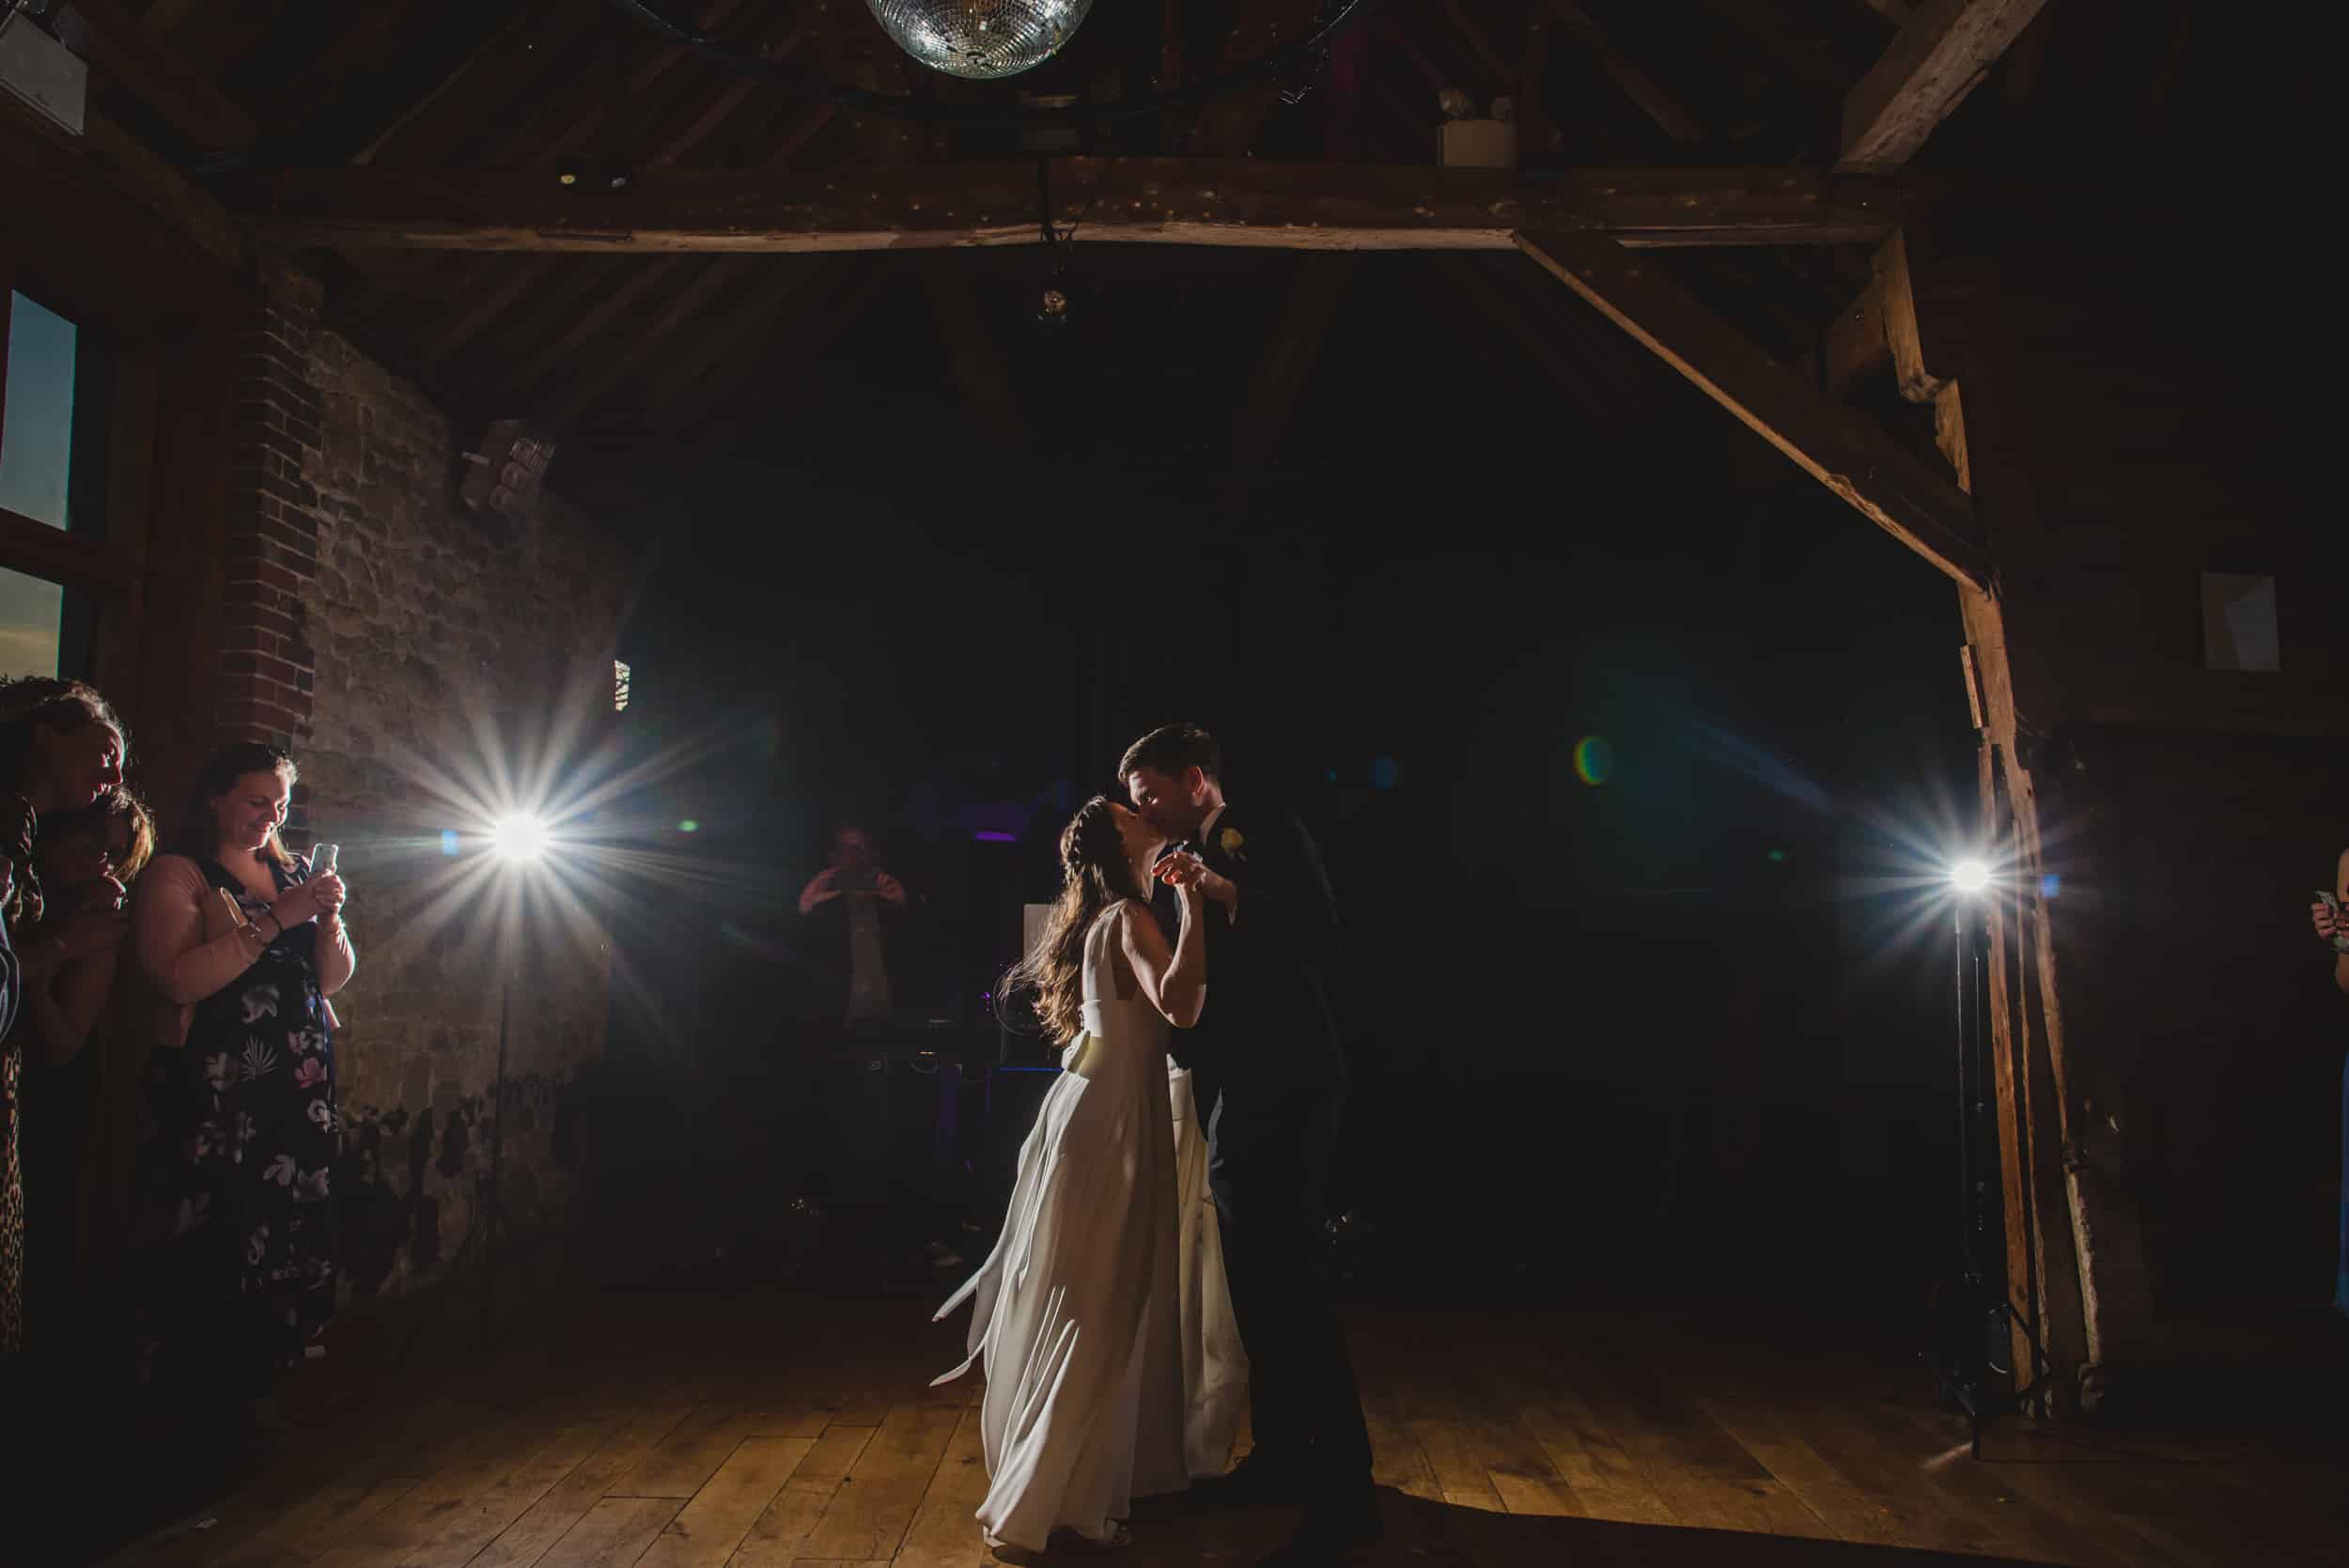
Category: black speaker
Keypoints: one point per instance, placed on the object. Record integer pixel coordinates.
(905, 1119)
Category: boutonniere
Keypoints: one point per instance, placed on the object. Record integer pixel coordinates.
(1230, 842)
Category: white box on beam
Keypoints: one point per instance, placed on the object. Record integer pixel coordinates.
(1477, 143)
(41, 73)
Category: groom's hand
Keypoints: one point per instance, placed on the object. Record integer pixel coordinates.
(1183, 869)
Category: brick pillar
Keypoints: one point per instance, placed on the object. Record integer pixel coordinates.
(271, 547)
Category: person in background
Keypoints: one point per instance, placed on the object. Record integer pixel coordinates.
(845, 901)
(2331, 926)
(61, 748)
(239, 943)
(78, 1145)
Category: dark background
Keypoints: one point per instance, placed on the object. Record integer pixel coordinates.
(1693, 1019)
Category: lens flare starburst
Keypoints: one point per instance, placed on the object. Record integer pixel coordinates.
(538, 843)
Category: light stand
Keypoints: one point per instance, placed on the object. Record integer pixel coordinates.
(519, 841)
(495, 1236)
(1974, 1367)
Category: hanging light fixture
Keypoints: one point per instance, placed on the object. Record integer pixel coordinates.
(980, 38)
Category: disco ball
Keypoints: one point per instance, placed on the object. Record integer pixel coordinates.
(980, 38)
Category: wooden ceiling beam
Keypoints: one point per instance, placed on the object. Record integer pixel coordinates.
(1309, 308)
(1940, 55)
(584, 104)
(1671, 116)
(468, 75)
(975, 359)
(124, 51)
(682, 361)
(1567, 334)
(592, 325)
(1915, 503)
(584, 391)
(775, 332)
(1227, 127)
(1147, 200)
(1500, 72)
(458, 327)
(1516, 333)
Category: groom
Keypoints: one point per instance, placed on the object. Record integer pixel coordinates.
(1272, 1084)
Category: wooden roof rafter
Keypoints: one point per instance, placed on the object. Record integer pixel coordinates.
(1908, 497)
(1942, 52)
(1305, 205)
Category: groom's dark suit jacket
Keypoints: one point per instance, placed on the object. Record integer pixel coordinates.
(1267, 1036)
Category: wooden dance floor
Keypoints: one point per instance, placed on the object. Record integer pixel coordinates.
(775, 1429)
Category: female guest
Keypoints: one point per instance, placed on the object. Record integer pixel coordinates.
(241, 945)
(61, 748)
(84, 1089)
(2336, 931)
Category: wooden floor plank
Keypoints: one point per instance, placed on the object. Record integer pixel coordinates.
(1702, 1474)
(1540, 1494)
(1396, 1459)
(681, 1463)
(614, 1534)
(1936, 1447)
(1590, 1462)
(469, 1473)
(945, 1533)
(531, 1536)
(1846, 1508)
(469, 1528)
(706, 1533)
(1495, 1449)
(869, 1515)
(298, 1536)
(778, 1534)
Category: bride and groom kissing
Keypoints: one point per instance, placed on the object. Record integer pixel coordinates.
(1120, 1319)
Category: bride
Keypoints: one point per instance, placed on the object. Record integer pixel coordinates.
(1113, 1370)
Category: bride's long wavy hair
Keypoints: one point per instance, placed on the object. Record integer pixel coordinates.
(1095, 874)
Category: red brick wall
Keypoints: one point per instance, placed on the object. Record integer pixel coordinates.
(267, 669)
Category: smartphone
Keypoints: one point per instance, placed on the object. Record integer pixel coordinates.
(322, 857)
(853, 878)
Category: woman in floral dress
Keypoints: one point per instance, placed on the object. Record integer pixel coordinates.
(241, 943)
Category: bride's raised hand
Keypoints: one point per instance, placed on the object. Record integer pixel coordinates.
(1182, 871)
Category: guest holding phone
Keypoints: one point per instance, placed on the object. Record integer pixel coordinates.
(845, 900)
(2333, 926)
(239, 943)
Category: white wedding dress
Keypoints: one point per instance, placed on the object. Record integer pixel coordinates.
(1113, 1366)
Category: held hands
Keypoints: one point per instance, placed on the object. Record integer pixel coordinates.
(1187, 874)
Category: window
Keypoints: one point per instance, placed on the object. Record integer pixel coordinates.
(44, 629)
(54, 410)
(56, 406)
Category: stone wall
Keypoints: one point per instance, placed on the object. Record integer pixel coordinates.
(447, 652)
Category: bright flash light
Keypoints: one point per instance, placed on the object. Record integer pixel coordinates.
(1969, 877)
(519, 839)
